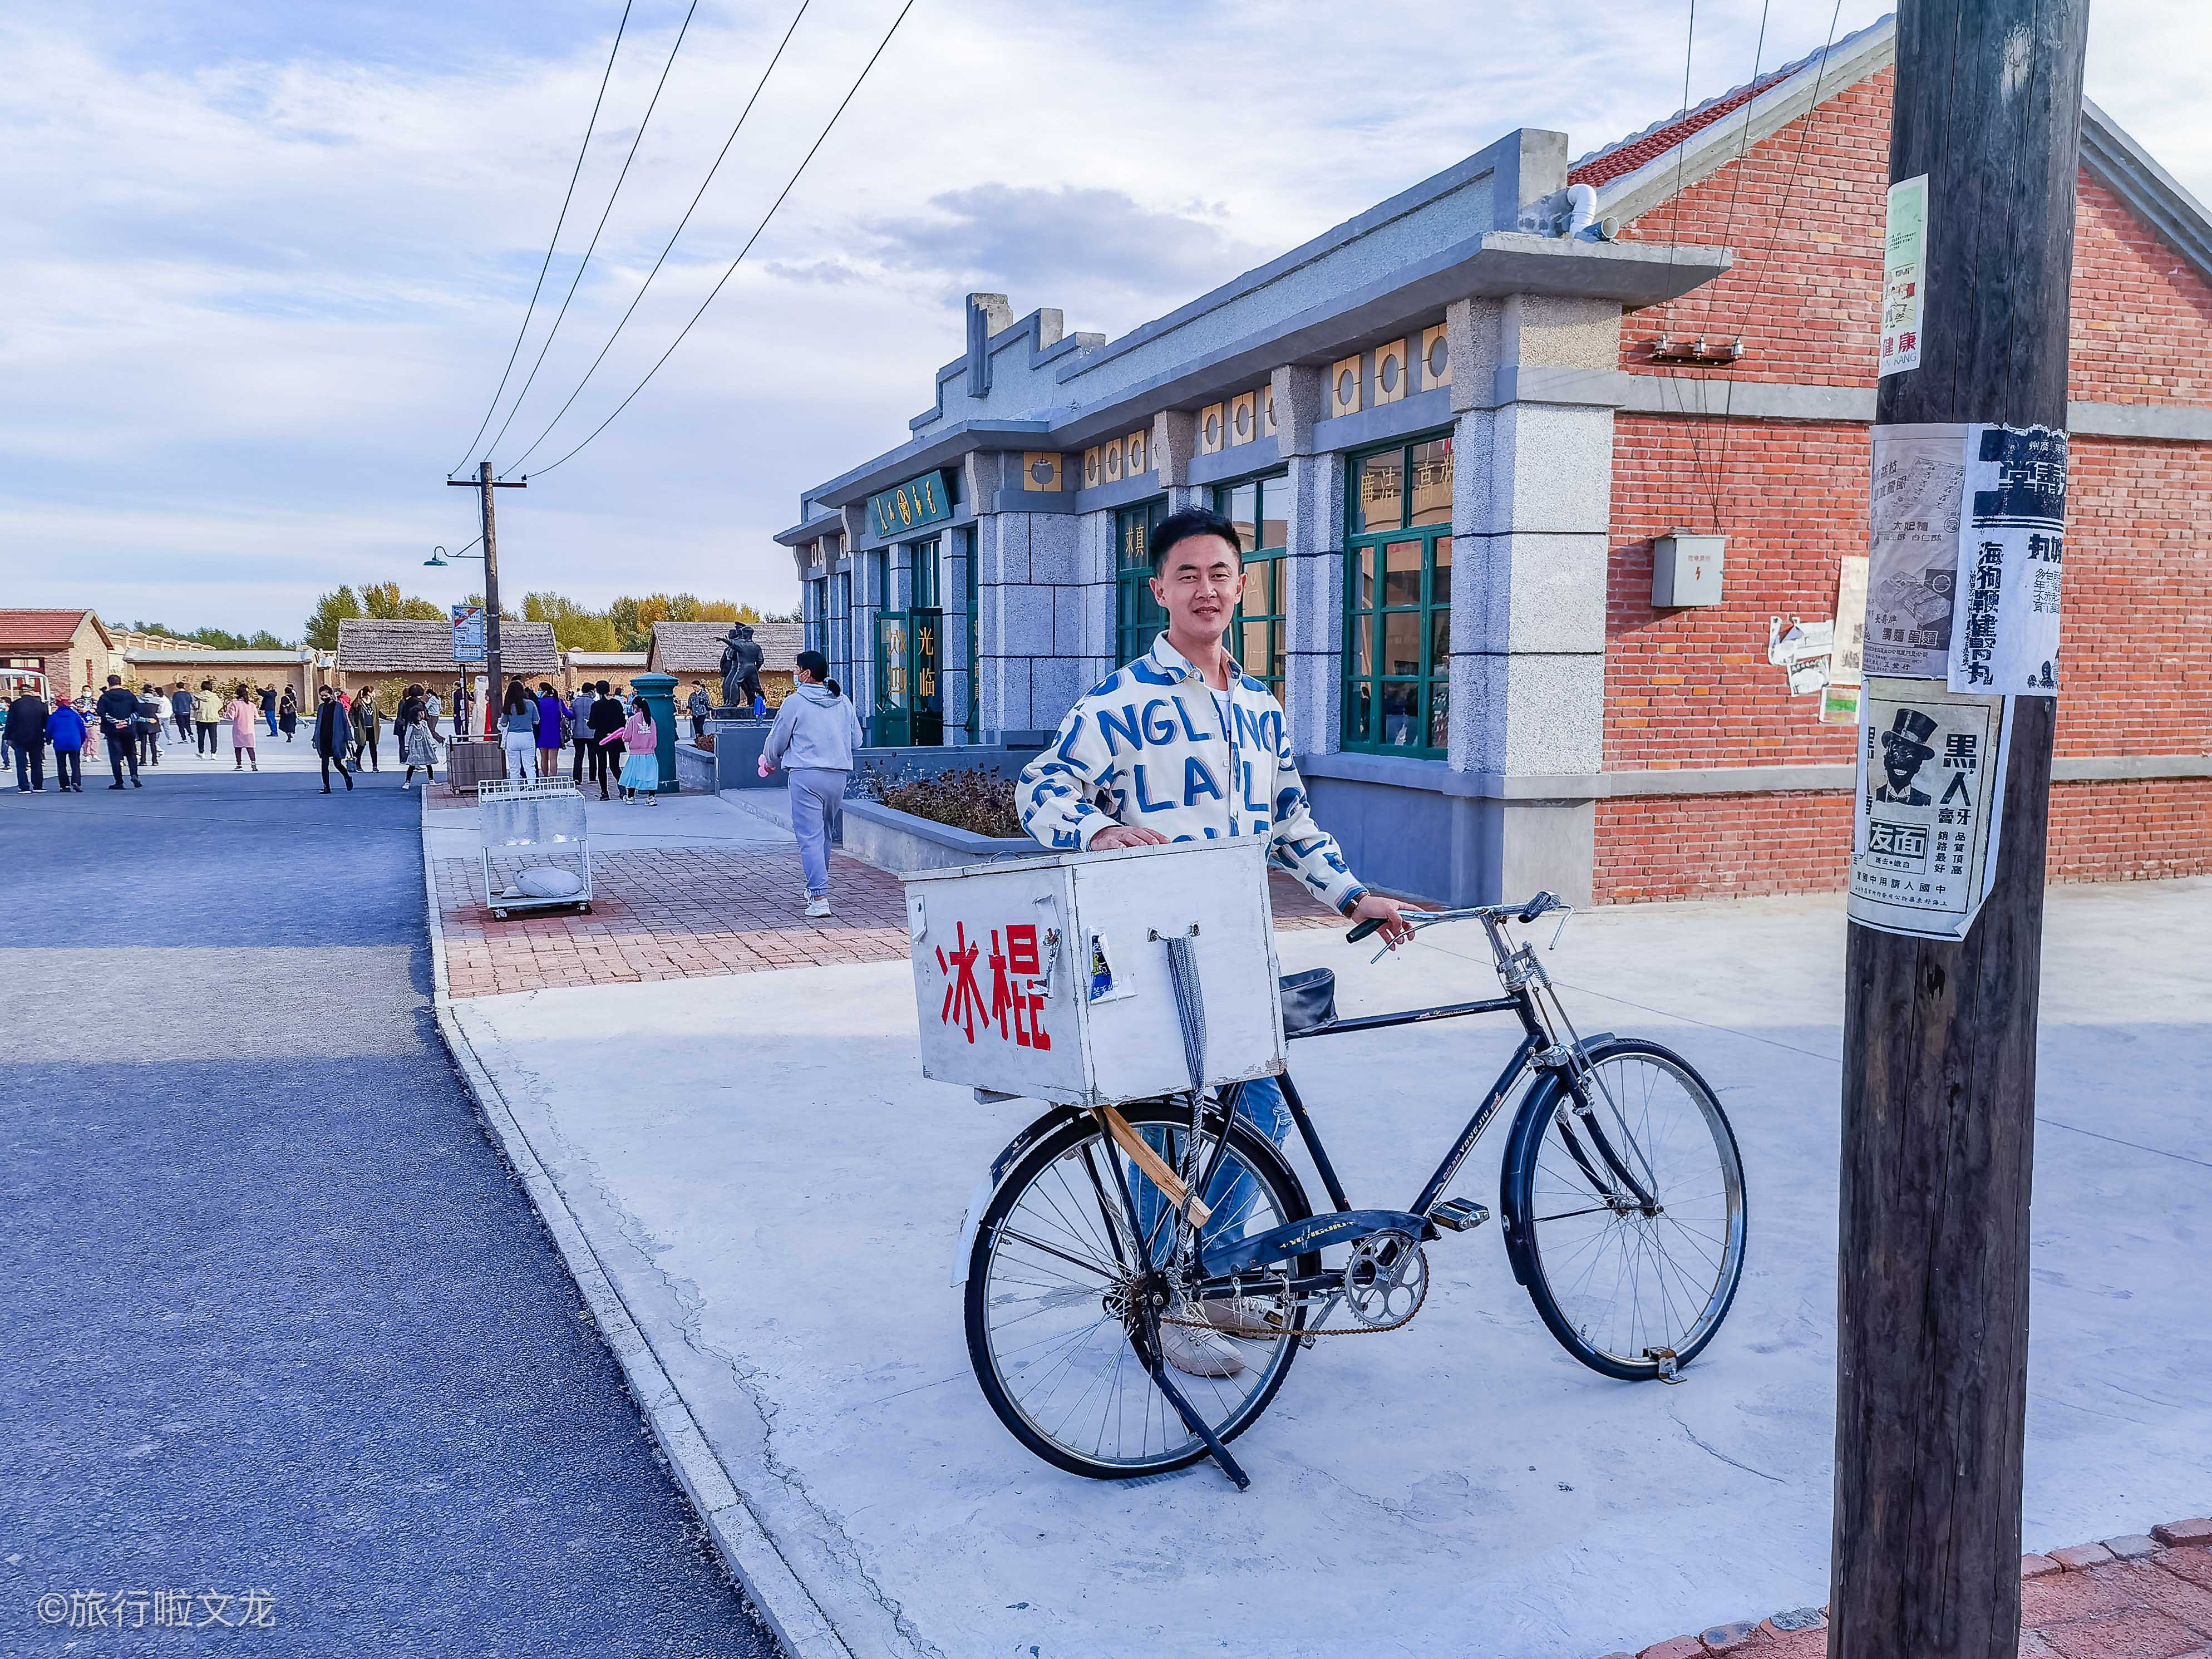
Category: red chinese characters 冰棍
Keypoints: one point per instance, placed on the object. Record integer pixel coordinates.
(1016, 1006)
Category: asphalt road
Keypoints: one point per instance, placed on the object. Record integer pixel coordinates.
(277, 1320)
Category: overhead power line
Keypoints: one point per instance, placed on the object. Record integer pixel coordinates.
(515, 408)
(880, 46)
(563, 219)
(695, 199)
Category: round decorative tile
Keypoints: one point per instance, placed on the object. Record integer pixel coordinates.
(1346, 387)
(1438, 356)
(1386, 373)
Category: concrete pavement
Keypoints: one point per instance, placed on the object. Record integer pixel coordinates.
(776, 1206)
(280, 1323)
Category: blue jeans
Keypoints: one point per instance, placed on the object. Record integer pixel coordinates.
(271, 716)
(1233, 1191)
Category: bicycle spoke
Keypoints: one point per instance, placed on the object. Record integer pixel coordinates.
(1627, 1281)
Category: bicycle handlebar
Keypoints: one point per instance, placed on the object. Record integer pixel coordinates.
(1542, 904)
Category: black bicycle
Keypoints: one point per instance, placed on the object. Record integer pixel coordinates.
(1141, 1278)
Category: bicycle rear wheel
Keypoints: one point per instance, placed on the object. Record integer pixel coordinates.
(1049, 1313)
(1633, 1217)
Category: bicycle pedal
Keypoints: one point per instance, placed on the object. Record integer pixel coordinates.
(1460, 1215)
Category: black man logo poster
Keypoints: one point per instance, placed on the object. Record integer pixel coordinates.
(1929, 803)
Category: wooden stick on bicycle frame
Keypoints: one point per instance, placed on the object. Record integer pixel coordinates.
(1155, 1168)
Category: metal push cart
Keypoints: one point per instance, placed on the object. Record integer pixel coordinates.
(541, 816)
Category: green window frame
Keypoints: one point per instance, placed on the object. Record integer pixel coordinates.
(1397, 597)
(1137, 618)
(922, 562)
(1260, 508)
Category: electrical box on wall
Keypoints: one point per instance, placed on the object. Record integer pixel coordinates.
(1685, 569)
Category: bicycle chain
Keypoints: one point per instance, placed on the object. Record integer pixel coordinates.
(1346, 1330)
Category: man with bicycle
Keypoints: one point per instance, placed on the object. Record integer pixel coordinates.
(1181, 744)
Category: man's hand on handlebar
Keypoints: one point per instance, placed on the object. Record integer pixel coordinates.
(1384, 913)
(1125, 835)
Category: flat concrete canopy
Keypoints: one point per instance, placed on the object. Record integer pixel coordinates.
(776, 1197)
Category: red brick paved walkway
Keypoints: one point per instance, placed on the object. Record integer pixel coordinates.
(694, 912)
(2126, 1598)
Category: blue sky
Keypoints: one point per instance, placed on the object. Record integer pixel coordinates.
(263, 264)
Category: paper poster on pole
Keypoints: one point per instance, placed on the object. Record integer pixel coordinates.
(2011, 551)
(1928, 807)
(468, 633)
(1839, 705)
(1912, 552)
(1904, 241)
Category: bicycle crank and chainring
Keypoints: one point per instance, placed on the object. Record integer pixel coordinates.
(1386, 1279)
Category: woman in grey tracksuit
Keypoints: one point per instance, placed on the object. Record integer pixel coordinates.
(815, 734)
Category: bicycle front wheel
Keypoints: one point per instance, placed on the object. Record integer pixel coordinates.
(1632, 1215)
(1050, 1317)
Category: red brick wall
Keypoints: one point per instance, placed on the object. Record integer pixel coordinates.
(1803, 211)
(1693, 688)
(1678, 847)
(2145, 831)
(1806, 287)
(1657, 847)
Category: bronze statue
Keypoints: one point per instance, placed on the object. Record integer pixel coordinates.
(741, 663)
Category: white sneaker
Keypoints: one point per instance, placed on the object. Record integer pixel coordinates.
(1198, 1353)
(818, 907)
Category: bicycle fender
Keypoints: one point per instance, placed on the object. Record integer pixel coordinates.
(1527, 1125)
(1315, 1232)
(965, 1245)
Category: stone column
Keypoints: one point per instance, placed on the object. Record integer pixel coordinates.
(1531, 519)
(1313, 565)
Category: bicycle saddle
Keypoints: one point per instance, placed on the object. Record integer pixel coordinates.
(1308, 999)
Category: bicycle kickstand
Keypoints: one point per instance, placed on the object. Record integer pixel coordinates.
(1197, 1425)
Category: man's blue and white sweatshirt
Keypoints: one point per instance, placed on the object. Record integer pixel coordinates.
(1147, 748)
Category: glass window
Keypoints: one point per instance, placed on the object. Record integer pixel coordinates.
(925, 559)
(1257, 508)
(1138, 618)
(1432, 468)
(1397, 661)
(1382, 494)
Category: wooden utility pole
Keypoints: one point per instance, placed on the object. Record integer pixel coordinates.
(485, 483)
(1939, 1068)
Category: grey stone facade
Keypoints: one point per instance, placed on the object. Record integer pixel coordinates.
(1029, 423)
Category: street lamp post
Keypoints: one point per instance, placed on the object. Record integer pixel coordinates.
(484, 485)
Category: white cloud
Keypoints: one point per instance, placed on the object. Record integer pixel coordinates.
(258, 292)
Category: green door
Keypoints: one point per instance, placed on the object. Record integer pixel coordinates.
(909, 689)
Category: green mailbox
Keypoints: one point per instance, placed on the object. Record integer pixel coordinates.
(659, 691)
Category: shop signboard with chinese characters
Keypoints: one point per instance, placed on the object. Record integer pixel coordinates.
(1047, 977)
(926, 499)
(1927, 807)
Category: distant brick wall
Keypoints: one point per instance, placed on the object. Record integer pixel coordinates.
(1693, 688)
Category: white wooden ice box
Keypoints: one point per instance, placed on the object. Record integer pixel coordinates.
(1048, 976)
